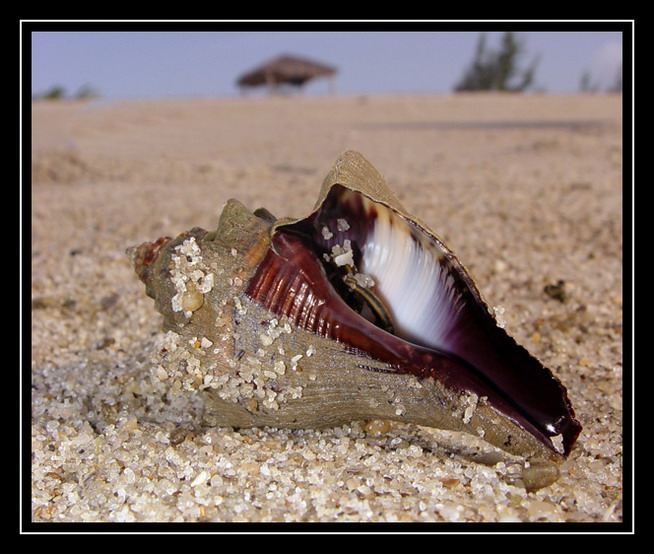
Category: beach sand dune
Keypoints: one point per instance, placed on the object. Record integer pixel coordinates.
(527, 190)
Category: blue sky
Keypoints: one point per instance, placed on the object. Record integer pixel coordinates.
(196, 63)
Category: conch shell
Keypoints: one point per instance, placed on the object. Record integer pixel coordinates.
(356, 312)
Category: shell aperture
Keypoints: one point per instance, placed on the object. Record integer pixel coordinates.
(442, 328)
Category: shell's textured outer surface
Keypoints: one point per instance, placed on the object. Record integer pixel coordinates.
(263, 362)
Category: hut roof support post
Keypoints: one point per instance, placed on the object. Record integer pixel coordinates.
(332, 85)
(270, 81)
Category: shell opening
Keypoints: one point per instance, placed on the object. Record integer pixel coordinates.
(386, 269)
(358, 272)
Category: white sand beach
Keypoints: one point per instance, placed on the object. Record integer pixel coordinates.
(526, 189)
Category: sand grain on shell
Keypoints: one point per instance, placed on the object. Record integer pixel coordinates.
(527, 192)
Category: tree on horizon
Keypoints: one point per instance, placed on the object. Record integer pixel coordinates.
(58, 92)
(498, 70)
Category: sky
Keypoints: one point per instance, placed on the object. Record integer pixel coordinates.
(132, 64)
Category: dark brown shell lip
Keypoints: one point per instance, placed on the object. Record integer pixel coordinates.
(477, 356)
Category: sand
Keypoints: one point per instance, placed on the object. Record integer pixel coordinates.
(527, 190)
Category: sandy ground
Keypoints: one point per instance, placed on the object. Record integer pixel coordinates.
(526, 189)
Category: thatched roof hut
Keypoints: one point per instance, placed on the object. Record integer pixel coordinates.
(285, 70)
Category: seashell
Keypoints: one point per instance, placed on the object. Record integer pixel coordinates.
(356, 312)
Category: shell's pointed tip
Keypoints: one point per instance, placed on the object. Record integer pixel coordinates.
(142, 255)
